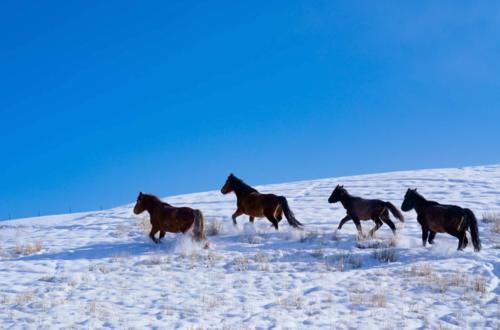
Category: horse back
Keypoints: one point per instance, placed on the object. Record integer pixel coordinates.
(365, 209)
(442, 218)
(176, 219)
(256, 203)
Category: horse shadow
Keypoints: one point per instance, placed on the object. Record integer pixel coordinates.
(97, 251)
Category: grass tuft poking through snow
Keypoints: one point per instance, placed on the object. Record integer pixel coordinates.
(385, 255)
(214, 227)
(185, 245)
(27, 249)
(492, 218)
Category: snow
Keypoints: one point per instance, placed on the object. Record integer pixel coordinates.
(100, 270)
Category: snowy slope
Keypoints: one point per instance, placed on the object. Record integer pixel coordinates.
(99, 269)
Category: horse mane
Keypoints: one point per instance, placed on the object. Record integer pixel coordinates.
(347, 194)
(240, 185)
(154, 199)
(419, 196)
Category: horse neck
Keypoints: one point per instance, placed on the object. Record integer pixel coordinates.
(242, 190)
(346, 199)
(151, 205)
(420, 203)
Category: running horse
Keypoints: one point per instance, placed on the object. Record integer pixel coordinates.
(358, 208)
(167, 218)
(251, 202)
(440, 218)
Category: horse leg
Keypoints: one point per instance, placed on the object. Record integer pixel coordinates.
(162, 234)
(432, 234)
(343, 221)
(274, 221)
(385, 218)
(236, 214)
(462, 240)
(425, 234)
(378, 224)
(466, 241)
(152, 234)
(270, 217)
(251, 219)
(278, 212)
(358, 226)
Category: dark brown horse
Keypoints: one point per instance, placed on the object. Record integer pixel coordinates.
(358, 208)
(257, 205)
(167, 218)
(439, 218)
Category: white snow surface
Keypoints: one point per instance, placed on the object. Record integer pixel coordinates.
(100, 270)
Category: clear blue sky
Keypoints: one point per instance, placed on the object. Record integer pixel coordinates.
(102, 99)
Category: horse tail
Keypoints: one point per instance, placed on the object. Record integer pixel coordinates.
(394, 210)
(289, 214)
(199, 225)
(471, 223)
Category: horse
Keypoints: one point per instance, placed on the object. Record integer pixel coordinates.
(440, 218)
(167, 218)
(258, 205)
(358, 208)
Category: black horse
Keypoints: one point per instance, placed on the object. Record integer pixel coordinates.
(358, 208)
(439, 218)
(257, 205)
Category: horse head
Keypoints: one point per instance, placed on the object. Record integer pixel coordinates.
(139, 207)
(228, 186)
(409, 200)
(337, 194)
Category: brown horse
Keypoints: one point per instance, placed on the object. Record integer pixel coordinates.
(365, 209)
(167, 218)
(439, 218)
(257, 205)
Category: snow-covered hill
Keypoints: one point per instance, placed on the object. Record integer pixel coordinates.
(99, 269)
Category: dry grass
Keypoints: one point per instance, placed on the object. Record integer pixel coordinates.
(250, 238)
(212, 302)
(25, 297)
(385, 255)
(241, 264)
(143, 224)
(367, 298)
(263, 260)
(214, 257)
(291, 302)
(426, 275)
(308, 236)
(122, 230)
(261, 257)
(420, 270)
(28, 249)
(155, 259)
(3, 253)
(215, 227)
(119, 258)
(318, 253)
(344, 261)
(493, 218)
(370, 243)
(98, 310)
